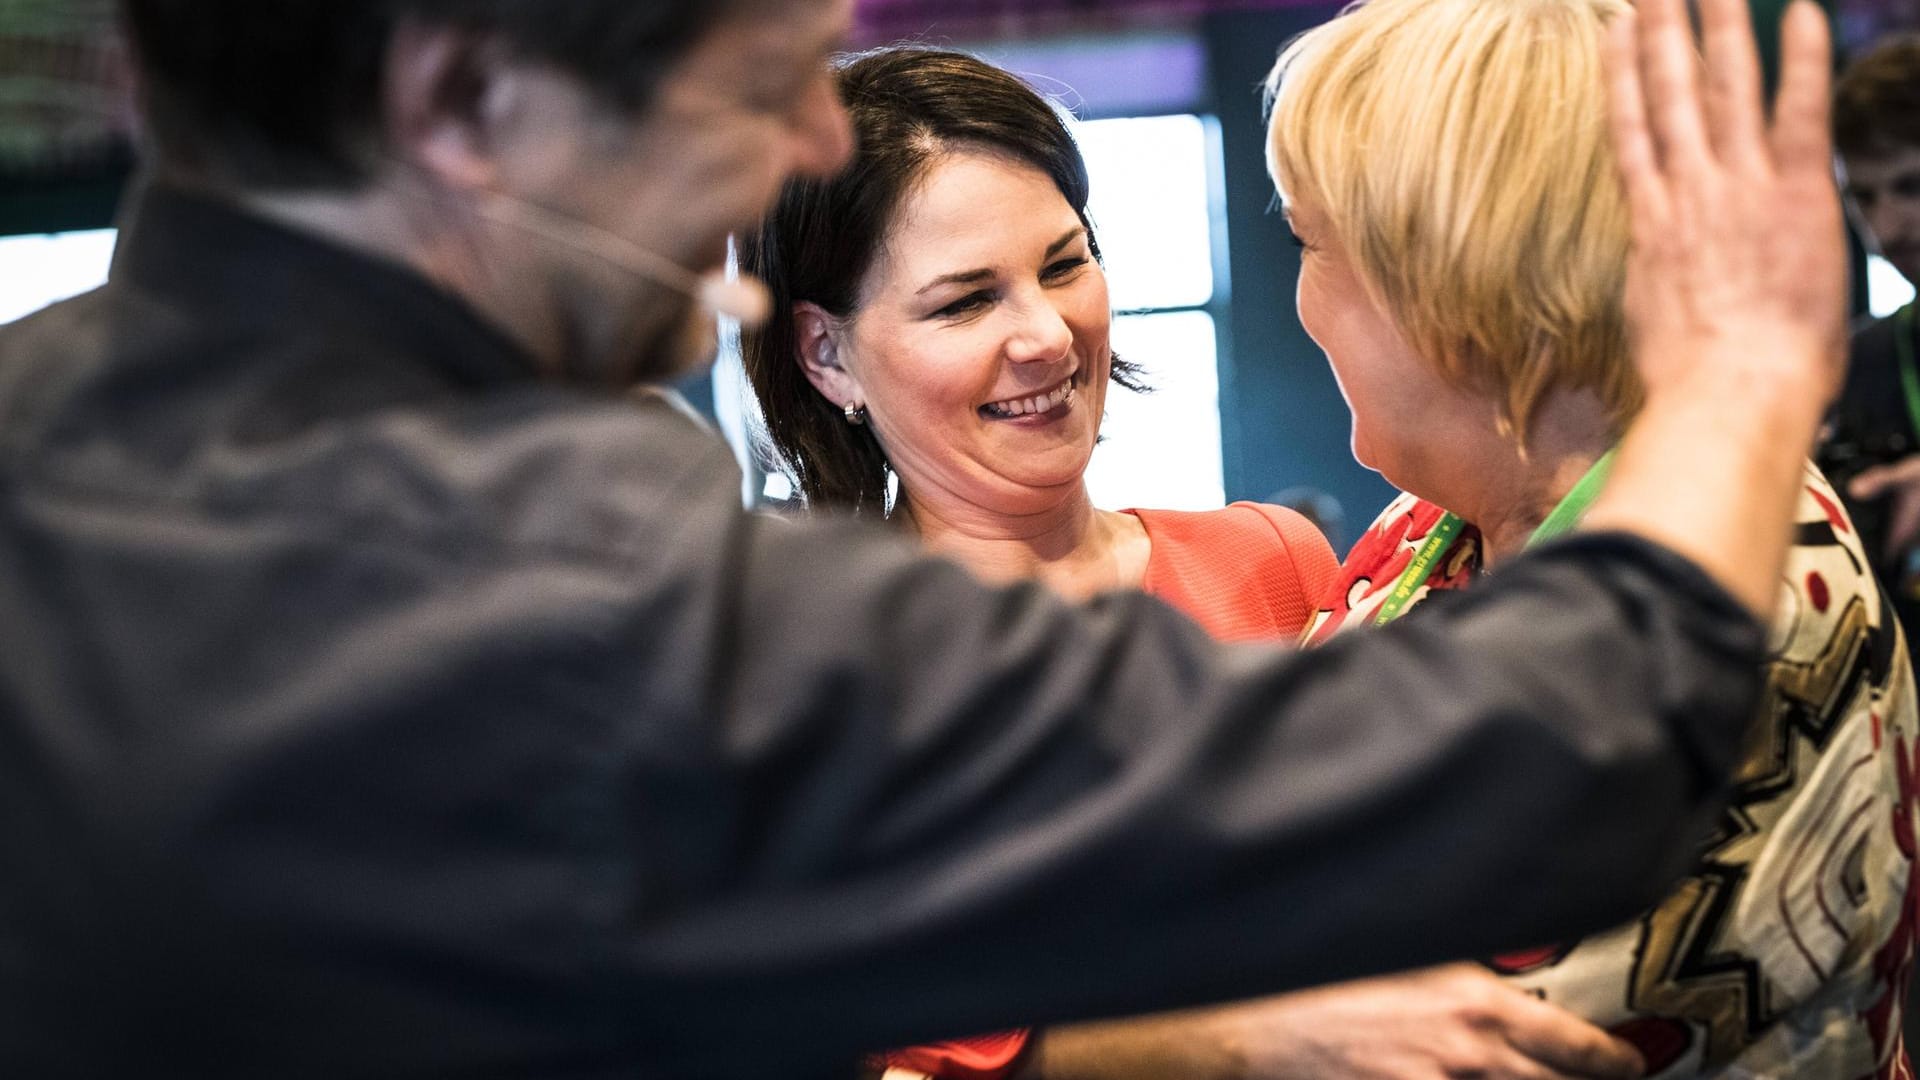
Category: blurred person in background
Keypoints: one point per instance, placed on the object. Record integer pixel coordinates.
(1873, 449)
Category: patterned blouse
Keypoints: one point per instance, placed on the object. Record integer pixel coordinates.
(1786, 953)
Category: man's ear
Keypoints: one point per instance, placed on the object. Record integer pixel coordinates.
(817, 338)
(445, 93)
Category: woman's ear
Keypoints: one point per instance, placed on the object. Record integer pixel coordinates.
(818, 337)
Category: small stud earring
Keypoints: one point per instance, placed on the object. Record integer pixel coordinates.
(856, 414)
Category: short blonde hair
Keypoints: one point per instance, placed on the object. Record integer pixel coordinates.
(1459, 151)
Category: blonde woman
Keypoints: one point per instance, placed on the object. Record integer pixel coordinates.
(1446, 167)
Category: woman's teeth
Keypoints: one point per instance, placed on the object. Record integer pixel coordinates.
(1039, 403)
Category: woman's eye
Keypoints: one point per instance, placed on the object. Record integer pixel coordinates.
(1064, 267)
(965, 305)
(1294, 238)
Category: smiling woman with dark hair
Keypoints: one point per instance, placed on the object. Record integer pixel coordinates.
(941, 322)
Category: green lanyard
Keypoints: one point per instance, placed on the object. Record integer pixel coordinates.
(1574, 507)
(1564, 517)
(1438, 541)
(1909, 379)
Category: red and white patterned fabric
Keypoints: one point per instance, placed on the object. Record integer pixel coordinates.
(1381, 555)
(1786, 953)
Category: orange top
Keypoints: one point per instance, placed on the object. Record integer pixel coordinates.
(1249, 572)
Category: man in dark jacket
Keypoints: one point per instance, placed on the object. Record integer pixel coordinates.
(384, 692)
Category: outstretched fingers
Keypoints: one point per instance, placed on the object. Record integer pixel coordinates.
(1734, 117)
(1632, 134)
(1670, 78)
(1802, 141)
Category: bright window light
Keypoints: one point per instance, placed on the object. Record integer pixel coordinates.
(1151, 208)
(1887, 291)
(1162, 450)
(1152, 204)
(38, 270)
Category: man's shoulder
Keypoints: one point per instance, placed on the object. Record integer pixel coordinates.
(111, 405)
(48, 343)
(528, 470)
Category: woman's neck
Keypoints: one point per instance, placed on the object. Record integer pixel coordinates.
(1511, 493)
(1070, 547)
(1507, 530)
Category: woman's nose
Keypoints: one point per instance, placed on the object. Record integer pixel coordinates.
(1042, 335)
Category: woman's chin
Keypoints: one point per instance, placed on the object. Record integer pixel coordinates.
(1033, 490)
(1362, 454)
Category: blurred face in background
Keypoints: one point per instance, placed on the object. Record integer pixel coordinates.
(1883, 191)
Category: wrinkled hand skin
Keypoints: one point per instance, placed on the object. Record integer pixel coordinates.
(1449, 1023)
(1738, 242)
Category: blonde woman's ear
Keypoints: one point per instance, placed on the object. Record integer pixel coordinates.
(817, 345)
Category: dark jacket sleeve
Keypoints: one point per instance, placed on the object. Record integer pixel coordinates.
(949, 809)
(505, 743)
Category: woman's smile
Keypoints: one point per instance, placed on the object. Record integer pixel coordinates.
(1045, 406)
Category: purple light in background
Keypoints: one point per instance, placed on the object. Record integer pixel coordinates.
(882, 19)
(1131, 75)
(1862, 22)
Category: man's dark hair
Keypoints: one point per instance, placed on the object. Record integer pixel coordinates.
(1876, 104)
(909, 105)
(285, 93)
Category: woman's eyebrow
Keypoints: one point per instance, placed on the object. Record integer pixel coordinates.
(964, 277)
(968, 277)
(1066, 238)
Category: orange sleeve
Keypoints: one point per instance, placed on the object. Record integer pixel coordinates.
(1315, 565)
(1246, 572)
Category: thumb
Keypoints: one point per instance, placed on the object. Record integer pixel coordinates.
(1874, 481)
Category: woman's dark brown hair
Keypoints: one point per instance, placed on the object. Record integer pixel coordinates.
(909, 106)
